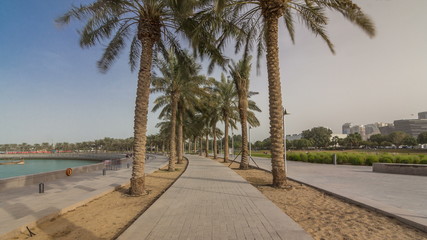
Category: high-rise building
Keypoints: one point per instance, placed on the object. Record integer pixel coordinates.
(412, 126)
(346, 128)
(360, 129)
(422, 115)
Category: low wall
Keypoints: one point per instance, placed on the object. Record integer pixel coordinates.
(21, 181)
(407, 169)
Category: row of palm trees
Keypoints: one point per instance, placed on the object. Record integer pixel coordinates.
(155, 26)
(199, 103)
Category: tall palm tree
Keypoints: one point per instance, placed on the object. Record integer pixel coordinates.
(258, 21)
(151, 25)
(180, 84)
(240, 72)
(227, 97)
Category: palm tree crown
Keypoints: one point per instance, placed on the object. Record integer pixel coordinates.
(151, 27)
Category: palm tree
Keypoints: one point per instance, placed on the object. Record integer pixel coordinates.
(258, 22)
(240, 74)
(227, 97)
(180, 85)
(151, 25)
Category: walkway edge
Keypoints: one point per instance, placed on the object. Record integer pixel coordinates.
(158, 197)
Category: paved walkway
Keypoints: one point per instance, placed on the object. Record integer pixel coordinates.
(23, 206)
(401, 196)
(211, 201)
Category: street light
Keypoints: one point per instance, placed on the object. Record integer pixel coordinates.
(250, 152)
(284, 139)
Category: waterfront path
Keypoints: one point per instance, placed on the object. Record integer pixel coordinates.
(22, 207)
(397, 195)
(211, 201)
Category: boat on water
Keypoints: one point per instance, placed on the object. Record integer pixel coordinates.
(20, 162)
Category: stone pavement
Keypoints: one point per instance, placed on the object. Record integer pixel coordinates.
(211, 201)
(24, 206)
(401, 196)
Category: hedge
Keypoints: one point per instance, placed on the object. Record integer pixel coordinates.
(356, 158)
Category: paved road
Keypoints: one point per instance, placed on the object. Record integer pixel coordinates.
(403, 196)
(211, 201)
(23, 206)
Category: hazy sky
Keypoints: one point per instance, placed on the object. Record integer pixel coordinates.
(51, 90)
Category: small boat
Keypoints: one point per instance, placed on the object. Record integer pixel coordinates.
(20, 162)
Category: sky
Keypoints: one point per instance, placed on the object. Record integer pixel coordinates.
(51, 90)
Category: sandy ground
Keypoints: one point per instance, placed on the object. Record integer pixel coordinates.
(327, 217)
(105, 217)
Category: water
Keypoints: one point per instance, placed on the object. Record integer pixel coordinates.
(39, 166)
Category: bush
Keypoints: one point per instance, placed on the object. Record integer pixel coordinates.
(311, 157)
(304, 157)
(371, 159)
(327, 158)
(342, 158)
(293, 156)
(356, 159)
(385, 158)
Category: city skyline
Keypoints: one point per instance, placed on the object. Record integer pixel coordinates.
(51, 90)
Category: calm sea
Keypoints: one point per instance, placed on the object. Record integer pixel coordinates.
(38, 166)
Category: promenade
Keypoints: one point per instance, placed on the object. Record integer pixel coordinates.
(24, 206)
(211, 201)
(397, 195)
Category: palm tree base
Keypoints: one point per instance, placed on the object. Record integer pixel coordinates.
(244, 167)
(137, 186)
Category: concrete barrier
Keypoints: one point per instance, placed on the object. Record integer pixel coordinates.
(396, 168)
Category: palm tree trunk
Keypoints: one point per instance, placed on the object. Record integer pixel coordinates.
(207, 145)
(137, 181)
(180, 137)
(275, 102)
(195, 144)
(172, 156)
(201, 146)
(226, 139)
(214, 148)
(243, 108)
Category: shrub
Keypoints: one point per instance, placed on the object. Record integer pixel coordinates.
(342, 158)
(304, 157)
(311, 157)
(371, 159)
(293, 156)
(327, 158)
(356, 159)
(385, 158)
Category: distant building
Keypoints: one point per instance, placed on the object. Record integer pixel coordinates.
(293, 137)
(412, 127)
(360, 129)
(386, 130)
(346, 128)
(342, 136)
(371, 129)
(422, 115)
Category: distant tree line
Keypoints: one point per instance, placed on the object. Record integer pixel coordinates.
(106, 144)
(321, 137)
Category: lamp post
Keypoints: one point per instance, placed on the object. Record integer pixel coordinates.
(284, 139)
(250, 149)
